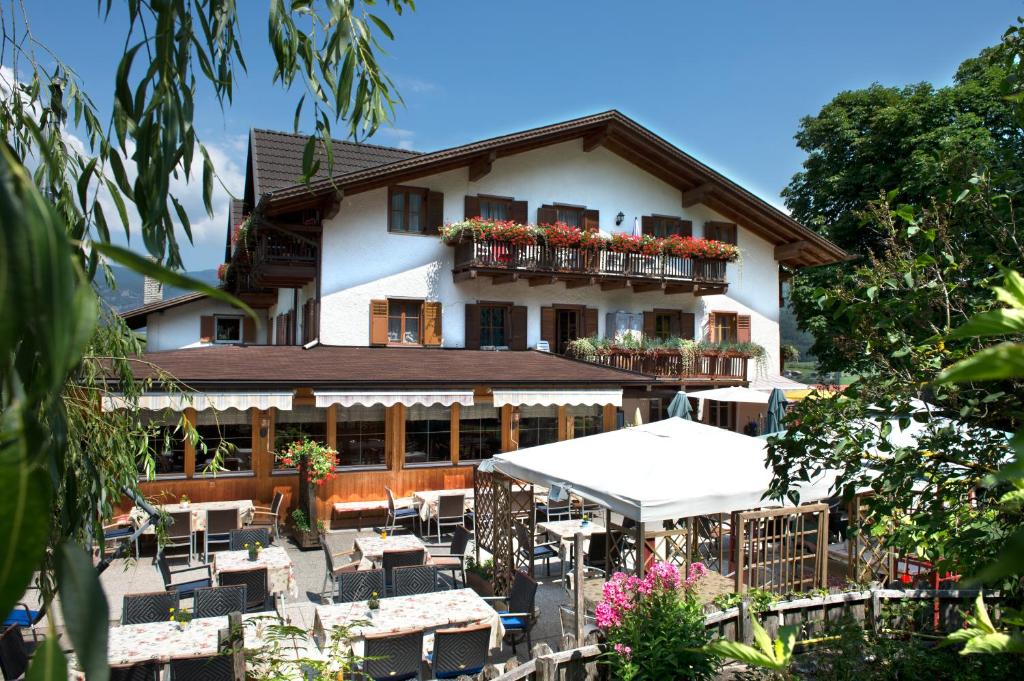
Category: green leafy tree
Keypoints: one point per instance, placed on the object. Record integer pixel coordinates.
(63, 462)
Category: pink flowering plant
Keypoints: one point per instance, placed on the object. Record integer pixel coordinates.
(653, 625)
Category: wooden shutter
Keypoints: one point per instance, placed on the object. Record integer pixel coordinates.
(472, 340)
(206, 329)
(650, 324)
(435, 213)
(519, 213)
(685, 228)
(472, 207)
(432, 323)
(547, 215)
(591, 220)
(647, 227)
(289, 320)
(589, 322)
(720, 231)
(248, 330)
(517, 327)
(547, 327)
(675, 323)
(378, 322)
(743, 328)
(687, 321)
(711, 327)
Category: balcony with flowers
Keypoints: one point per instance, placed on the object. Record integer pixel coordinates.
(264, 255)
(671, 358)
(507, 251)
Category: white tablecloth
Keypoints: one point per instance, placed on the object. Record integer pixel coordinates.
(426, 501)
(280, 571)
(373, 548)
(199, 509)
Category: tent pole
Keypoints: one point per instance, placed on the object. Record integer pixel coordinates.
(608, 550)
(579, 605)
(641, 532)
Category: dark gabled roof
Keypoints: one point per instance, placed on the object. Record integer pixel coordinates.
(610, 129)
(332, 365)
(277, 159)
(136, 318)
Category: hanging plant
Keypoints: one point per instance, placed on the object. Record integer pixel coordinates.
(222, 270)
(320, 459)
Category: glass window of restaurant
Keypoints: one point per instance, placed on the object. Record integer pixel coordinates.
(166, 444)
(295, 424)
(586, 420)
(360, 436)
(231, 432)
(537, 425)
(479, 432)
(428, 434)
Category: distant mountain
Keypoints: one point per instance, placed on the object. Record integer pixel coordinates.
(128, 292)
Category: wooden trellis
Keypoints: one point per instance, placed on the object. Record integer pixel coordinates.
(869, 559)
(782, 549)
(710, 542)
(500, 503)
(670, 544)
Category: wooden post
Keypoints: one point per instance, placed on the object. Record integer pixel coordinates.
(577, 569)
(876, 611)
(745, 632)
(641, 547)
(237, 637)
(455, 416)
(190, 449)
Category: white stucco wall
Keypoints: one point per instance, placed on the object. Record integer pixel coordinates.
(362, 261)
(178, 327)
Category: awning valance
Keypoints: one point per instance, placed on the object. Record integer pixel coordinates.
(548, 398)
(735, 394)
(201, 401)
(389, 398)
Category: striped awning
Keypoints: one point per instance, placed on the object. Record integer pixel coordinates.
(548, 398)
(200, 401)
(389, 398)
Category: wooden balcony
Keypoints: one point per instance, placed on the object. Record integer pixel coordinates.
(542, 264)
(279, 259)
(708, 366)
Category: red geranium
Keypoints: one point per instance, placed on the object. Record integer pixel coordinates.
(561, 235)
(625, 243)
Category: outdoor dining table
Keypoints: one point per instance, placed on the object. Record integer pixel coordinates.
(280, 571)
(373, 548)
(199, 508)
(563, 531)
(426, 502)
(430, 611)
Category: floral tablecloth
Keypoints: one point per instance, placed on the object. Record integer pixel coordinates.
(280, 571)
(426, 501)
(199, 509)
(373, 548)
(423, 611)
(563, 532)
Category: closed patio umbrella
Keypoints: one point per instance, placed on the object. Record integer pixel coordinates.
(680, 406)
(776, 411)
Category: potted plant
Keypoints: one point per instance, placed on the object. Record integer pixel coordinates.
(480, 576)
(254, 550)
(317, 463)
(181, 617)
(184, 501)
(373, 602)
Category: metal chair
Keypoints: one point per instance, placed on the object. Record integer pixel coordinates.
(257, 593)
(261, 515)
(521, 615)
(334, 570)
(397, 515)
(545, 551)
(14, 653)
(414, 579)
(558, 510)
(249, 535)
(220, 524)
(179, 533)
(218, 601)
(360, 585)
(460, 652)
(393, 656)
(455, 560)
(148, 607)
(24, 615)
(186, 588)
(209, 668)
(119, 528)
(393, 559)
(143, 671)
(451, 512)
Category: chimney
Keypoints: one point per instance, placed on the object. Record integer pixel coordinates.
(152, 290)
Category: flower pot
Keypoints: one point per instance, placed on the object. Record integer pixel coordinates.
(306, 539)
(481, 585)
(254, 555)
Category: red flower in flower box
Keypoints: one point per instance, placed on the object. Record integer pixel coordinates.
(625, 243)
(561, 235)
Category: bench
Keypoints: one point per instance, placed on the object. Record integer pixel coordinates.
(356, 511)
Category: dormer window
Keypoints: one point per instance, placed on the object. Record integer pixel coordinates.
(227, 329)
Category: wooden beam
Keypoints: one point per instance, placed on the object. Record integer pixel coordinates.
(481, 166)
(791, 250)
(611, 285)
(580, 283)
(543, 280)
(595, 139)
(505, 278)
(644, 288)
(710, 291)
(465, 275)
(678, 288)
(697, 194)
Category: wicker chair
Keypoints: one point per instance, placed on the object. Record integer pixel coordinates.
(460, 652)
(218, 601)
(14, 653)
(392, 559)
(220, 524)
(144, 671)
(521, 614)
(183, 589)
(414, 579)
(257, 594)
(360, 585)
(148, 607)
(398, 515)
(393, 656)
(261, 515)
(179, 533)
(451, 512)
(209, 668)
(334, 570)
(545, 551)
(249, 535)
(455, 560)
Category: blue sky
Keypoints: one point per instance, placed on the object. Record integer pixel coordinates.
(726, 81)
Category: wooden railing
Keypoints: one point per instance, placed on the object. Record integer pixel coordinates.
(277, 248)
(669, 364)
(543, 259)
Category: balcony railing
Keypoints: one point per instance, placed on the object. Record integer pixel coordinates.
(668, 364)
(278, 248)
(543, 259)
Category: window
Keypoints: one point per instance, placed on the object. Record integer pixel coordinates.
(662, 226)
(404, 321)
(721, 231)
(587, 420)
(492, 208)
(228, 432)
(663, 325)
(166, 444)
(570, 215)
(537, 426)
(308, 422)
(408, 213)
(428, 434)
(493, 326)
(725, 328)
(479, 432)
(360, 435)
(227, 330)
(722, 414)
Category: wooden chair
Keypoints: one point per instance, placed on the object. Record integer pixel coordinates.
(460, 652)
(271, 516)
(148, 607)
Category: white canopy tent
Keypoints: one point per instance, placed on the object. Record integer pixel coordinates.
(660, 471)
